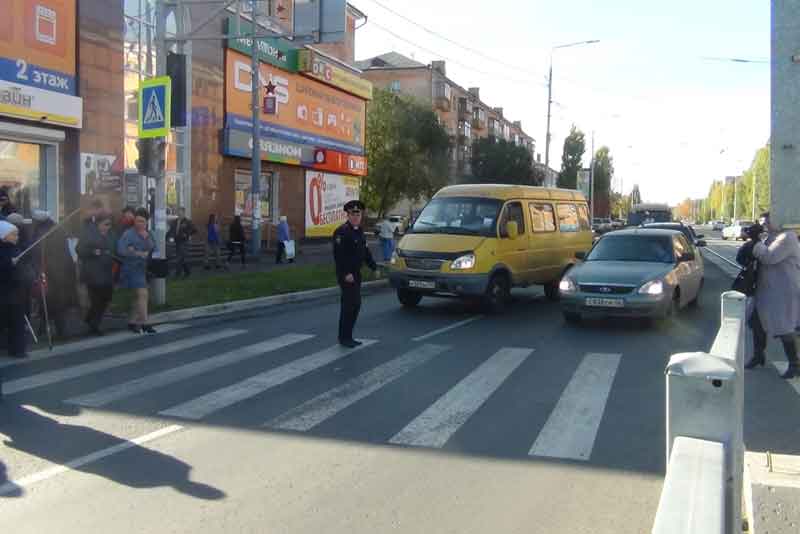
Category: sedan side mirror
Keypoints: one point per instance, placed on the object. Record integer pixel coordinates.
(701, 243)
(580, 255)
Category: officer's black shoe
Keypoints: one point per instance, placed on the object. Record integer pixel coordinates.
(349, 343)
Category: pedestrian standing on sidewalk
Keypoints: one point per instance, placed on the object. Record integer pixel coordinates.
(135, 247)
(350, 251)
(283, 239)
(777, 298)
(12, 312)
(386, 235)
(181, 231)
(95, 249)
(212, 242)
(55, 270)
(236, 239)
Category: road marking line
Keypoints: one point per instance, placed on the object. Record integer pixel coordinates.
(571, 429)
(14, 485)
(222, 398)
(781, 368)
(447, 328)
(60, 375)
(86, 344)
(170, 376)
(322, 407)
(434, 426)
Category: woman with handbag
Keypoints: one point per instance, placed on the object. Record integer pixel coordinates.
(135, 247)
(777, 292)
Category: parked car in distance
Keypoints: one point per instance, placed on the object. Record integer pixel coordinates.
(717, 226)
(736, 231)
(642, 272)
(601, 225)
(698, 240)
(399, 224)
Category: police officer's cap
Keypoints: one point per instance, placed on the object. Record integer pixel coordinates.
(354, 205)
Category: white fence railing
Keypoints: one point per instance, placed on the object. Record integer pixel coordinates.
(702, 491)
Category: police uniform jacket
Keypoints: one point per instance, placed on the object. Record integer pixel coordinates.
(350, 251)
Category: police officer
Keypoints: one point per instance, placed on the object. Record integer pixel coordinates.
(350, 252)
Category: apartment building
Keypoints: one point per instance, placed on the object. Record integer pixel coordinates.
(461, 111)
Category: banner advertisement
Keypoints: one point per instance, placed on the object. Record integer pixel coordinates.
(33, 104)
(330, 160)
(326, 70)
(275, 51)
(307, 112)
(243, 182)
(101, 173)
(240, 143)
(326, 195)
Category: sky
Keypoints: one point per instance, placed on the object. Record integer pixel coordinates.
(674, 119)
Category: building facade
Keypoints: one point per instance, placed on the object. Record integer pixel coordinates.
(462, 112)
(69, 77)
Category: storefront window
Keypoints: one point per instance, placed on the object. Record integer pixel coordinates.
(21, 171)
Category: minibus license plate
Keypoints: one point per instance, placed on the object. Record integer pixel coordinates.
(422, 284)
(605, 303)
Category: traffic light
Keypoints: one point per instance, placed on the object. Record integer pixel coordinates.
(159, 156)
(144, 163)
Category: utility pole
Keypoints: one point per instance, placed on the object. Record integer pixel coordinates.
(255, 186)
(549, 105)
(160, 212)
(591, 179)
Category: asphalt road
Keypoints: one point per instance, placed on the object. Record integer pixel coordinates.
(445, 421)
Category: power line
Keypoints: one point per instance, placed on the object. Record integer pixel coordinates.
(451, 41)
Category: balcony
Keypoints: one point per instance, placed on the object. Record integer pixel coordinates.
(464, 132)
(479, 119)
(495, 130)
(442, 97)
(464, 109)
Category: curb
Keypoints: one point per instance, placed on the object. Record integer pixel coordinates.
(237, 306)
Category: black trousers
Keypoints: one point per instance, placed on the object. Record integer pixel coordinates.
(760, 340)
(99, 299)
(232, 246)
(279, 252)
(350, 307)
(12, 319)
(182, 266)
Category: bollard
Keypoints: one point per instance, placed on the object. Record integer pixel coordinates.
(701, 393)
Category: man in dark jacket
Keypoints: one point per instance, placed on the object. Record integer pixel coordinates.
(181, 230)
(95, 249)
(350, 251)
(52, 259)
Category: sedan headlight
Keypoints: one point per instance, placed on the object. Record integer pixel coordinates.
(567, 285)
(655, 288)
(463, 263)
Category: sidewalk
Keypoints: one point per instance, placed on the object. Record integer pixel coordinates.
(308, 254)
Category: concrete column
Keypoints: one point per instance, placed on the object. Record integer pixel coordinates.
(785, 125)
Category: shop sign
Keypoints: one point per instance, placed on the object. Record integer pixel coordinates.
(101, 173)
(272, 50)
(326, 195)
(244, 201)
(313, 64)
(307, 112)
(331, 160)
(30, 103)
(37, 44)
(240, 143)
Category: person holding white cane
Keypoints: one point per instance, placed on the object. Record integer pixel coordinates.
(12, 312)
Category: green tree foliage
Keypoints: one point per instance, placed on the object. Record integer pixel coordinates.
(719, 204)
(501, 162)
(572, 158)
(603, 174)
(407, 152)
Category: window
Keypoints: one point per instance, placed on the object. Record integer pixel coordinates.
(513, 212)
(680, 246)
(394, 87)
(583, 218)
(543, 218)
(460, 216)
(567, 218)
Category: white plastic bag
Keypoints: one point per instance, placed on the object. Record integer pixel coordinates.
(289, 249)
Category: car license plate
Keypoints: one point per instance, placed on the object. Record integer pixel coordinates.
(422, 284)
(605, 303)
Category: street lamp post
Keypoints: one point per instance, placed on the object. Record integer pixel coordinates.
(550, 94)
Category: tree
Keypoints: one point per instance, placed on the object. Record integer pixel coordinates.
(636, 196)
(756, 176)
(603, 174)
(572, 158)
(407, 152)
(501, 162)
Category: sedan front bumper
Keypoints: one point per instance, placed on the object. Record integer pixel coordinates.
(632, 305)
(440, 283)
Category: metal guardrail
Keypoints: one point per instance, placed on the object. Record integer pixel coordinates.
(705, 405)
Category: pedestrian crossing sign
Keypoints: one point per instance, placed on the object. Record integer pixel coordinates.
(155, 105)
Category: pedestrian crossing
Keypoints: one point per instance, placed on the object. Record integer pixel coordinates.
(570, 430)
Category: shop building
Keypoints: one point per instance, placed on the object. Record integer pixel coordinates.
(69, 78)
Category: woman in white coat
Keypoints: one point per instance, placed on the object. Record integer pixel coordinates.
(777, 294)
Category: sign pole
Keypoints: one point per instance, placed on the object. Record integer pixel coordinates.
(159, 285)
(255, 188)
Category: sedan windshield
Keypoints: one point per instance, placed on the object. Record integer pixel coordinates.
(656, 249)
(461, 216)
